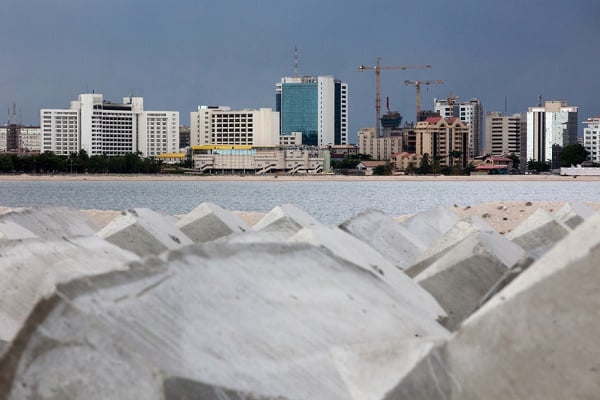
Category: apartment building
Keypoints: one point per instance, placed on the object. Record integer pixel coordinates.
(219, 125)
(591, 139)
(444, 139)
(470, 112)
(16, 137)
(379, 148)
(101, 127)
(502, 134)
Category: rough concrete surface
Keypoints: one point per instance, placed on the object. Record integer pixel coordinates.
(208, 222)
(250, 319)
(48, 222)
(540, 230)
(536, 339)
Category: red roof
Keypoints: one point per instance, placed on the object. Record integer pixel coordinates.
(489, 166)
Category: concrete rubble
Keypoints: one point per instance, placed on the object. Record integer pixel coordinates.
(204, 306)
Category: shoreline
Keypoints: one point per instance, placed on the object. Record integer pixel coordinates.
(287, 178)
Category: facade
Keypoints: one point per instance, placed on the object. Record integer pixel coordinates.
(405, 161)
(469, 112)
(502, 134)
(379, 148)
(101, 127)
(549, 129)
(317, 106)
(591, 139)
(444, 139)
(15, 137)
(219, 125)
(259, 160)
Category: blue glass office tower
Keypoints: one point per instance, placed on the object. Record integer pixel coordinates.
(315, 106)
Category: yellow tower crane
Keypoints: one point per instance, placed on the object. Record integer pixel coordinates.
(377, 68)
(417, 85)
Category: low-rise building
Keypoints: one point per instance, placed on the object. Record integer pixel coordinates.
(404, 161)
(246, 159)
(379, 148)
(16, 137)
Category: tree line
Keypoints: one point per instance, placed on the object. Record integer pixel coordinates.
(77, 163)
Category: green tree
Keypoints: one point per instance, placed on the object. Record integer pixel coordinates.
(537, 166)
(573, 154)
(383, 169)
(425, 165)
(6, 163)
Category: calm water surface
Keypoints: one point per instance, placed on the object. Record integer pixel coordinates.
(329, 202)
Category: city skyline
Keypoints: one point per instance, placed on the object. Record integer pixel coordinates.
(178, 56)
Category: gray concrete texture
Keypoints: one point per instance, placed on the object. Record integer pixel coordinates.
(540, 230)
(535, 339)
(573, 214)
(293, 309)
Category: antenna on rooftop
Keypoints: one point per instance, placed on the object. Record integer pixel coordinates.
(295, 61)
(540, 100)
(505, 105)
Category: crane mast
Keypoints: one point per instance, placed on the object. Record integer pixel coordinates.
(417, 85)
(377, 68)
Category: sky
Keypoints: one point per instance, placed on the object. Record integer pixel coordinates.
(183, 53)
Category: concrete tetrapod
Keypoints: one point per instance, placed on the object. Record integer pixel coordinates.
(446, 242)
(430, 225)
(573, 213)
(208, 222)
(31, 269)
(49, 222)
(540, 230)
(390, 238)
(285, 219)
(355, 251)
(462, 276)
(249, 322)
(144, 232)
(536, 339)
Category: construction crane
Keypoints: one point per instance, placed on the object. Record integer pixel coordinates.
(377, 68)
(417, 85)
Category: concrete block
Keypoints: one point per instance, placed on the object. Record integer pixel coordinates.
(31, 269)
(286, 219)
(49, 222)
(462, 276)
(431, 224)
(355, 251)
(392, 239)
(255, 321)
(446, 242)
(536, 339)
(208, 222)
(10, 230)
(573, 214)
(144, 232)
(539, 230)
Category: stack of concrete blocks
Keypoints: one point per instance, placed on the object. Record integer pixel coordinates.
(206, 307)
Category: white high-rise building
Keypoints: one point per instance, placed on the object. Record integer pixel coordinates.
(549, 129)
(591, 139)
(219, 125)
(502, 134)
(101, 127)
(469, 112)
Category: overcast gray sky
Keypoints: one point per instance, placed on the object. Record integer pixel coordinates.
(183, 53)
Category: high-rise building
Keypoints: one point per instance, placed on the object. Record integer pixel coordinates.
(445, 140)
(316, 106)
(101, 127)
(591, 139)
(16, 137)
(217, 125)
(502, 134)
(469, 112)
(379, 148)
(549, 129)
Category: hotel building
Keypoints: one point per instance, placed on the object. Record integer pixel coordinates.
(101, 127)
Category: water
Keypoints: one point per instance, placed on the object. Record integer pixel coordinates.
(329, 202)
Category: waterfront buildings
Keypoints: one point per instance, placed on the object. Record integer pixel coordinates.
(379, 148)
(502, 134)
(550, 128)
(101, 127)
(315, 106)
(17, 137)
(445, 140)
(591, 139)
(243, 159)
(469, 112)
(219, 125)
